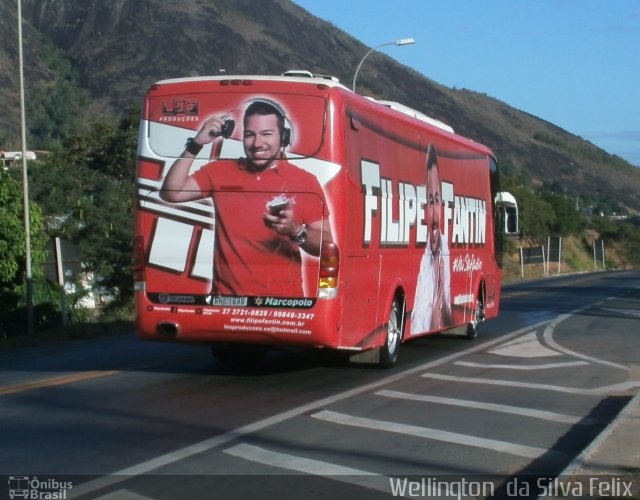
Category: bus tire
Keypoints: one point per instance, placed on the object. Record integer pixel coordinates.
(478, 317)
(393, 337)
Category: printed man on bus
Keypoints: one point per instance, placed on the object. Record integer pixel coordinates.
(432, 306)
(272, 211)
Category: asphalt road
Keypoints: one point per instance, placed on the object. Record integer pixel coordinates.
(122, 418)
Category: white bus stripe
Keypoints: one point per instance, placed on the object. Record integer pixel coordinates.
(434, 434)
(153, 206)
(514, 410)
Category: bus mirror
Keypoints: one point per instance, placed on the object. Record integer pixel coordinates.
(506, 213)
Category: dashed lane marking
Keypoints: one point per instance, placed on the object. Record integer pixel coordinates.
(527, 346)
(314, 467)
(544, 366)
(84, 376)
(548, 338)
(513, 410)
(218, 440)
(433, 434)
(596, 391)
(56, 381)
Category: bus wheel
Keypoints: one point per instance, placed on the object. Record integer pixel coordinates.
(478, 317)
(389, 350)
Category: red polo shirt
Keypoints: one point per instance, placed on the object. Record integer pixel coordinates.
(249, 257)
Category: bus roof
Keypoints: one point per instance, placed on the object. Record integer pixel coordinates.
(306, 77)
(297, 76)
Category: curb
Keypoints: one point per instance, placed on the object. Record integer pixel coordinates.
(579, 462)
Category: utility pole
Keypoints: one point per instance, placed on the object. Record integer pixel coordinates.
(25, 184)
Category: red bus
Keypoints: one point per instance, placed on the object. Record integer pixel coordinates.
(290, 211)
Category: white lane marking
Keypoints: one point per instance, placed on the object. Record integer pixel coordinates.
(314, 467)
(358, 477)
(626, 312)
(514, 410)
(292, 462)
(548, 338)
(596, 391)
(208, 444)
(433, 434)
(544, 366)
(527, 346)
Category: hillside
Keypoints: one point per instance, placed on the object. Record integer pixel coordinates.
(90, 59)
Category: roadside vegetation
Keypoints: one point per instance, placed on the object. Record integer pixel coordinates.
(81, 190)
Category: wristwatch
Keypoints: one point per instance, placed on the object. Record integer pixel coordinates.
(301, 236)
(192, 146)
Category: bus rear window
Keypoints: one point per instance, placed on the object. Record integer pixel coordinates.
(173, 118)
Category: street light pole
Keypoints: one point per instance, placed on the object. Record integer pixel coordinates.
(25, 184)
(400, 42)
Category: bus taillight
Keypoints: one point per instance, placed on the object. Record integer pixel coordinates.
(138, 264)
(329, 265)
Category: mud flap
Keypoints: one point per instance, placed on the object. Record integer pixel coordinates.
(371, 356)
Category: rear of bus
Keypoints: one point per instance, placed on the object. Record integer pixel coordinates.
(213, 269)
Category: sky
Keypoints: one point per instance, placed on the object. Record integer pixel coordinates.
(574, 63)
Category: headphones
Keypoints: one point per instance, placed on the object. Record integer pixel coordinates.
(266, 107)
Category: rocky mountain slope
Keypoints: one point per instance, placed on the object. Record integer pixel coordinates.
(110, 51)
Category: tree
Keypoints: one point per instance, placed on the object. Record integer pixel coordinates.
(88, 187)
(536, 215)
(13, 255)
(568, 221)
(12, 248)
(105, 237)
